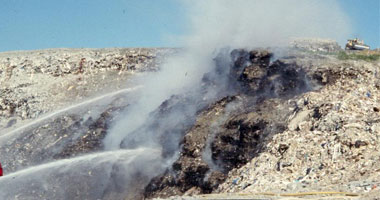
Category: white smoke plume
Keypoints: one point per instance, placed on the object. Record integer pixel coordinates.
(258, 23)
(216, 24)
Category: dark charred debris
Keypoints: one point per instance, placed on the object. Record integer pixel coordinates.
(228, 133)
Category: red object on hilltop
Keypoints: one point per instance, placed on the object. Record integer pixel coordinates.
(1, 170)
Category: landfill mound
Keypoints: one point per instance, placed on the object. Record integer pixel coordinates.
(302, 121)
(316, 44)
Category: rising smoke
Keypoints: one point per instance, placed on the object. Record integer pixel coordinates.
(215, 25)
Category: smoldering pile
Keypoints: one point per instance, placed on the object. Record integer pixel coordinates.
(248, 108)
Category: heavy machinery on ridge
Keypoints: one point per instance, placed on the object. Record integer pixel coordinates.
(356, 44)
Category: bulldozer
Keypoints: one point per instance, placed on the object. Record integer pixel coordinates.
(356, 44)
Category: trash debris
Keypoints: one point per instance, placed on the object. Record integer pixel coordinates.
(339, 147)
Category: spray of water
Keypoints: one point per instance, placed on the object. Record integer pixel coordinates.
(86, 177)
(64, 110)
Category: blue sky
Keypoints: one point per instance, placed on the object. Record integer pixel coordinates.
(39, 24)
(365, 18)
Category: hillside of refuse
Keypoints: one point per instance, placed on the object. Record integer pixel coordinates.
(304, 118)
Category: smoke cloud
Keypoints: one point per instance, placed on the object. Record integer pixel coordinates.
(257, 23)
(217, 24)
(216, 27)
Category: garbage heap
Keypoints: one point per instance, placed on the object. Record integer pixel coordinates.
(301, 123)
(331, 141)
(316, 44)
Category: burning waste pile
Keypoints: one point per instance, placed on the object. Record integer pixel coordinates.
(173, 140)
(201, 116)
(230, 130)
